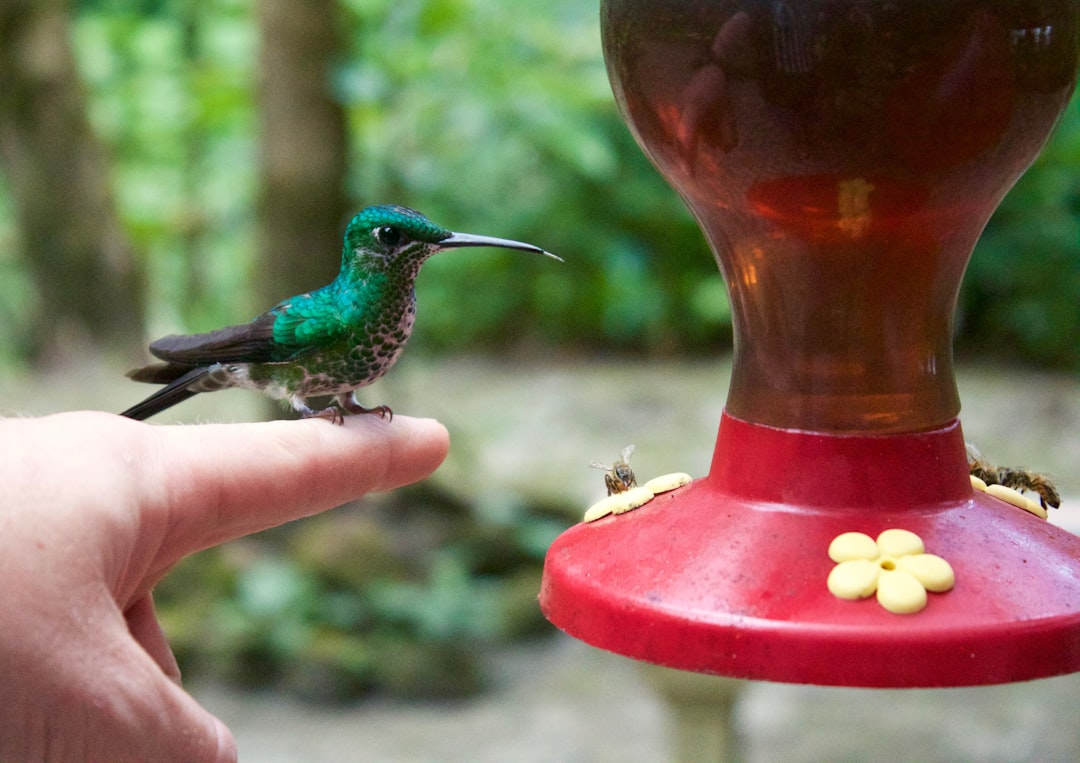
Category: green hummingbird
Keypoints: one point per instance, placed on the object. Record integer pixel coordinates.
(330, 341)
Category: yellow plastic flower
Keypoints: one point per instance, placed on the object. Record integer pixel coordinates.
(895, 566)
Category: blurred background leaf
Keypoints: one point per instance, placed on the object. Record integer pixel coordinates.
(402, 593)
(1021, 294)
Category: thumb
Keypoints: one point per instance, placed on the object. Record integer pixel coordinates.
(99, 696)
(147, 716)
(202, 736)
(146, 630)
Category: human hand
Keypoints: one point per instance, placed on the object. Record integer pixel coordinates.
(97, 509)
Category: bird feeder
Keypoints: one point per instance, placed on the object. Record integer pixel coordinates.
(842, 158)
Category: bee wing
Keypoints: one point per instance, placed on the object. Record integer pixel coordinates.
(597, 465)
(973, 453)
(627, 452)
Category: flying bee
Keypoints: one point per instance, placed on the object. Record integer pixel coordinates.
(1016, 477)
(620, 477)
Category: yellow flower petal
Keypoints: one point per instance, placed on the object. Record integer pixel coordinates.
(854, 579)
(848, 546)
(598, 510)
(931, 570)
(618, 503)
(1017, 499)
(666, 482)
(896, 542)
(1036, 509)
(898, 591)
(632, 499)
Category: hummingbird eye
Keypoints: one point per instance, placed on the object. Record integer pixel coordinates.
(387, 235)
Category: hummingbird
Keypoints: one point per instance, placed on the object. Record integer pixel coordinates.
(331, 341)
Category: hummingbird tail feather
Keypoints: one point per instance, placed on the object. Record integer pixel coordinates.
(158, 373)
(176, 391)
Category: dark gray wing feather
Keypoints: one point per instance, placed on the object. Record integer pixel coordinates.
(158, 373)
(247, 343)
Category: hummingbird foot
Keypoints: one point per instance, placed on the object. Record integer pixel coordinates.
(332, 414)
(348, 402)
(336, 415)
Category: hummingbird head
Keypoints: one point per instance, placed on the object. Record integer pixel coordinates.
(391, 238)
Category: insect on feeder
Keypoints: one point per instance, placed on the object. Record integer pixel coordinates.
(842, 158)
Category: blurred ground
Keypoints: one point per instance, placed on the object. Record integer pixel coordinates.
(532, 429)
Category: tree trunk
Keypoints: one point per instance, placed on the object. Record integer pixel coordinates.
(88, 281)
(303, 148)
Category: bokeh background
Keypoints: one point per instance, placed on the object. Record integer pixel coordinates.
(200, 161)
(171, 166)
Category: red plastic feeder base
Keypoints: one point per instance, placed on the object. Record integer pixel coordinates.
(728, 574)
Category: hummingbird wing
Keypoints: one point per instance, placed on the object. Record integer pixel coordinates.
(305, 323)
(247, 343)
(281, 334)
(278, 335)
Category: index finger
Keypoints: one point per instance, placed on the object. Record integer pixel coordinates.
(221, 481)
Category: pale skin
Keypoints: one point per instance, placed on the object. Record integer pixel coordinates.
(96, 509)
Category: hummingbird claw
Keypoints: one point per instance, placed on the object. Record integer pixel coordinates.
(333, 414)
(348, 402)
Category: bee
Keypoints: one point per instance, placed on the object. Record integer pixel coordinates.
(1016, 477)
(620, 477)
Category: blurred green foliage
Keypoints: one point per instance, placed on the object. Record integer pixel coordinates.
(172, 93)
(499, 118)
(403, 594)
(492, 118)
(1021, 295)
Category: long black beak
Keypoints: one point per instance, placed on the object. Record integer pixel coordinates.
(458, 240)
